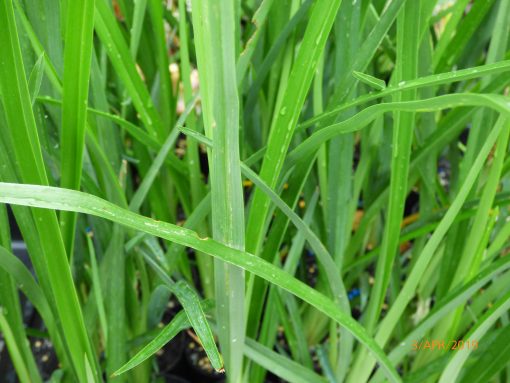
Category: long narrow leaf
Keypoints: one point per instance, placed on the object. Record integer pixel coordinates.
(55, 198)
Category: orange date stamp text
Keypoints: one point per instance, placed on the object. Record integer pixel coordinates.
(442, 344)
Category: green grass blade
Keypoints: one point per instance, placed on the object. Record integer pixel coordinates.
(281, 366)
(371, 81)
(120, 56)
(457, 297)
(335, 282)
(96, 285)
(194, 312)
(18, 271)
(265, 68)
(214, 26)
(22, 128)
(25, 221)
(408, 41)
(137, 25)
(452, 370)
(366, 52)
(166, 101)
(178, 323)
(55, 198)
(284, 124)
(115, 292)
(449, 32)
(432, 80)
(259, 19)
(331, 269)
(367, 115)
(153, 171)
(51, 71)
(77, 62)
(407, 292)
(35, 79)
(377, 197)
(496, 357)
(192, 222)
(454, 299)
(10, 302)
(432, 245)
(14, 351)
(469, 262)
(460, 37)
(197, 187)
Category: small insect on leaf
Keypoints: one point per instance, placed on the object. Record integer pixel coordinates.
(371, 81)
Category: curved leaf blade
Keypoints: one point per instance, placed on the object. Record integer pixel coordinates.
(61, 199)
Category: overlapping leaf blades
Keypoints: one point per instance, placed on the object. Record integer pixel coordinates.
(368, 167)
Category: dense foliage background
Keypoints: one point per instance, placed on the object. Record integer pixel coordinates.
(270, 190)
